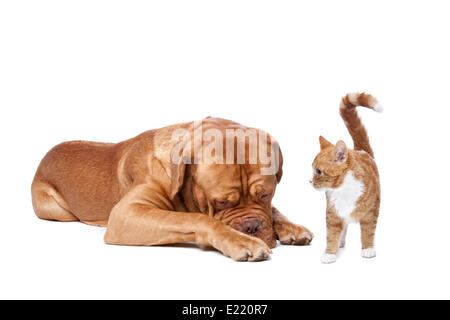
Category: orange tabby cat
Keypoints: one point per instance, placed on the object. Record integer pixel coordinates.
(350, 180)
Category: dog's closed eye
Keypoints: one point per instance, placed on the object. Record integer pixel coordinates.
(222, 203)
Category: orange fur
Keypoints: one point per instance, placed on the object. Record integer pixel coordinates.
(350, 179)
(134, 188)
(353, 122)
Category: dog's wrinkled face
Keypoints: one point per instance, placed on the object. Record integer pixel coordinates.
(237, 195)
(234, 186)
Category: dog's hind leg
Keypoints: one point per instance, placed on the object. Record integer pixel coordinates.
(48, 204)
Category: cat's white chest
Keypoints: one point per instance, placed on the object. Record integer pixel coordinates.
(346, 196)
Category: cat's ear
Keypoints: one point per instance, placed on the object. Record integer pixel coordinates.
(324, 143)
(340, 152)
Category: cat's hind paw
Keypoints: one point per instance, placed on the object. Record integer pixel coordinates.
(328, 258)
(368, 253)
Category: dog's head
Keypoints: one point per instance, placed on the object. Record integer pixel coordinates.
(239, 193)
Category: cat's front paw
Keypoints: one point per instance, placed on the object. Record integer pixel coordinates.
(328, 258)
(368, 253)
(290, 233)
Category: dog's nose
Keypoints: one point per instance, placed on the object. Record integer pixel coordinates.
(251, 226)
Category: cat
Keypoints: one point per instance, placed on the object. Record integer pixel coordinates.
(350, 180)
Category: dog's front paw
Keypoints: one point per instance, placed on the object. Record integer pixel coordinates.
(241, 247)
(290, 233)
(250, 249)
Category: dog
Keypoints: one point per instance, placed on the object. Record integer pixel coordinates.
(144, 197)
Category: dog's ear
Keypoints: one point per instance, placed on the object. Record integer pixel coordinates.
(180, 156)
(279, 173)
(177, 177)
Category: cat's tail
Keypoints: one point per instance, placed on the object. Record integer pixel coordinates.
(352, 120)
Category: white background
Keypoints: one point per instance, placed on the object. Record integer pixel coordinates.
(109, 70)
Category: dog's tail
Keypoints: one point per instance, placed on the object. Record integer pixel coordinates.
(352, 120)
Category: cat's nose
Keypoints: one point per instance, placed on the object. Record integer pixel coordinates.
(310, 181)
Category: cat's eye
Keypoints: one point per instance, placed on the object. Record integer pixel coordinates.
(318, 172)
